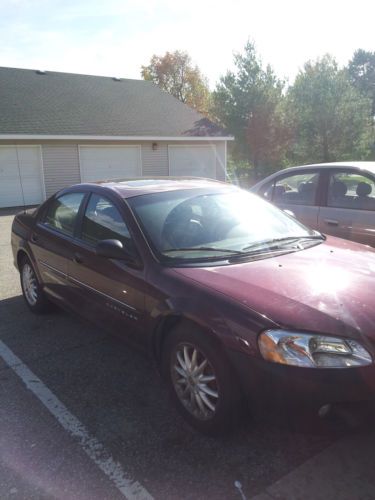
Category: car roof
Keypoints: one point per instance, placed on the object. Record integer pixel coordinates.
(128, 188)
(368, 166)
(363, 166)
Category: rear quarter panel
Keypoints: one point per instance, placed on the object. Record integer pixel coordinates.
(21, 229)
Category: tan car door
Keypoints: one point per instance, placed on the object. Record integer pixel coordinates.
(298, 193)
(350, 207)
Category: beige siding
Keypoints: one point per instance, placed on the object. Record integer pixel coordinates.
(61, 159)
(60, 165)
(154, 161)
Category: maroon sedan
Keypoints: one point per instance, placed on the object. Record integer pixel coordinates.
(231, 297)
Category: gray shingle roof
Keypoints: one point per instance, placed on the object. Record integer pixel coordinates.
(69, 104)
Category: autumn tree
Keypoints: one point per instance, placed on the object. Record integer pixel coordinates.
(330, 116)
(175, 73)
(248, 102)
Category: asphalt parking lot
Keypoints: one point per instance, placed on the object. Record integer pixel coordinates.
(84, 416)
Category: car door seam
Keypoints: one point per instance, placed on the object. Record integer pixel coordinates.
(74, 280)
(57, 271)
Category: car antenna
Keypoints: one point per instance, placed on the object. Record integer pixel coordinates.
(19, 175)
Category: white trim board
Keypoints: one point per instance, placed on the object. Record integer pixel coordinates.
(25, 137)
(42, 171)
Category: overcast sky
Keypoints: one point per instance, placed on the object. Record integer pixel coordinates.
(114, 38)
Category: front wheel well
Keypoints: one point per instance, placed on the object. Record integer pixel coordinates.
(166, 327)
(21, 255)
(201, 372)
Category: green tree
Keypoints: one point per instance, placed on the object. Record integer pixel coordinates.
(249, 103)
(175, 73)
(330, 116)
(362, 73)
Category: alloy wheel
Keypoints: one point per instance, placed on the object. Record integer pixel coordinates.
(194, 381)
(30, 284)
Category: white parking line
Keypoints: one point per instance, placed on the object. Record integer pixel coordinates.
(129, 488)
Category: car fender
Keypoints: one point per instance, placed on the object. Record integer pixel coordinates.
(230, 325)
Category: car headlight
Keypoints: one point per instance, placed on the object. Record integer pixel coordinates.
(311, 350)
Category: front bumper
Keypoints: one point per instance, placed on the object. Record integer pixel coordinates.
(272, 384)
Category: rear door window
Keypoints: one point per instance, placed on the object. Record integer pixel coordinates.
(351, 190)
(62, 212)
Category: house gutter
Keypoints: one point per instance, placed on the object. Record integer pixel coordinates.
(11, 137)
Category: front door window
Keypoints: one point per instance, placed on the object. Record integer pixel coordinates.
(102, 221)
(297, 193)
(297, 189)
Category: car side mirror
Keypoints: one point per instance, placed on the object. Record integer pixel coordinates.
(114, 249)
(289, 212)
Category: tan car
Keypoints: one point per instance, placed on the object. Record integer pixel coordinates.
(334, 198)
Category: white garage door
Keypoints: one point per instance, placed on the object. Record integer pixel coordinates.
(197, 161)
(115, 162)
(21, 181)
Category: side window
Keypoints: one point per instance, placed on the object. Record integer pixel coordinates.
(351, 190)
(102, 221)
(297, 189)
(63, 211)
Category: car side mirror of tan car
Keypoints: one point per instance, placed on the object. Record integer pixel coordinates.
(289, 212)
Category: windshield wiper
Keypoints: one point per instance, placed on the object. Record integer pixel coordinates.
(205, 249)
(286, 239)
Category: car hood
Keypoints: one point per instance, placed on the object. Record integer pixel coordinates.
(328, 288)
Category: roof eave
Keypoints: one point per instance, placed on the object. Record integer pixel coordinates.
(40, 137)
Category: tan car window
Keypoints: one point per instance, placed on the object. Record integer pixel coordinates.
(297, 189)
(351, 190)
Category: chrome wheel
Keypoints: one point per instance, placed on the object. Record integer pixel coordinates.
(194, 381)
(30, 284)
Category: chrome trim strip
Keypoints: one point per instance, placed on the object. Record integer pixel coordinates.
(101, 293)
(51, 268)
(60, 273)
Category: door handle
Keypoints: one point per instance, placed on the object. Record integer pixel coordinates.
(331, 222)
(78, 258)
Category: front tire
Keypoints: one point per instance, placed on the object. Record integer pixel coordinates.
(201, 381)
(31, 288)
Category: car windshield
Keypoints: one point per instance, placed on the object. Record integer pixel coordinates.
(196, 224)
